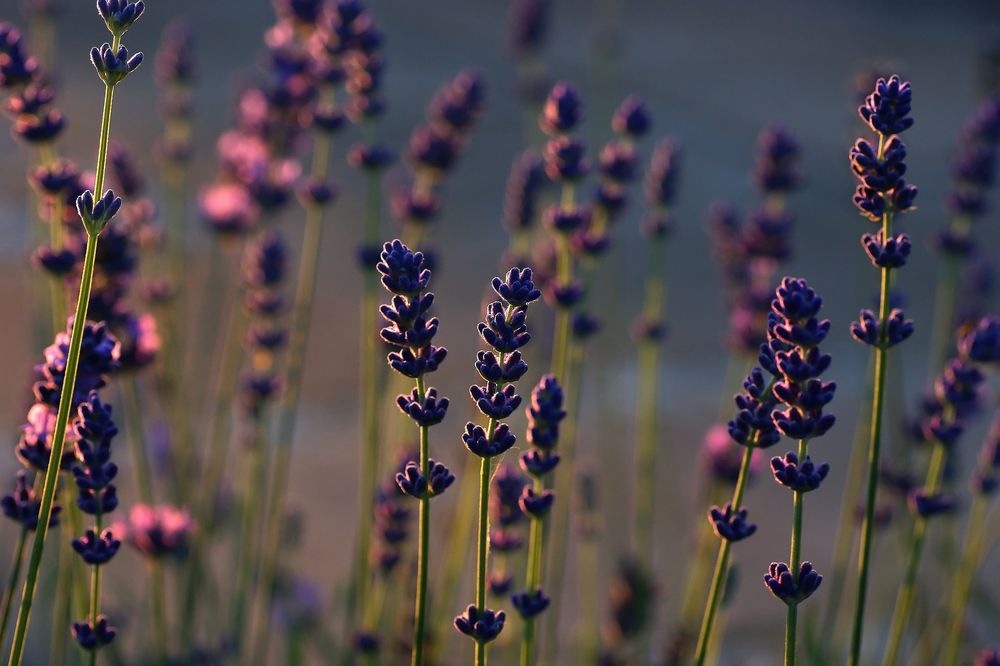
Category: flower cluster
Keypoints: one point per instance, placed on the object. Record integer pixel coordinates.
(392, 520)
(157, 531)
(793, 355)
(175, 73)
(504, 330)
(264, 269)
(505, 517)
(986, 478)
(525, 185)
(35, 120)
(411, 334)
(750, 251)
(435, 146)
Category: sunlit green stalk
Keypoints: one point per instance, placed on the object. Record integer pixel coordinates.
(158, 600)
(794, 559)
(423, 547)
(904, 601)
(965, 576)
(874, 447)
(302, 307)
(137, 436)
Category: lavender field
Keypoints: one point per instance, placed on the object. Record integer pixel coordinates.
(524, 332)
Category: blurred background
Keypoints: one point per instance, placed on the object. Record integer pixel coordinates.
(713, 74)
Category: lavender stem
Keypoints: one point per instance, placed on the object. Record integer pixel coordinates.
(423, 546)
(793, 563)
(965, 576)
(15, 575)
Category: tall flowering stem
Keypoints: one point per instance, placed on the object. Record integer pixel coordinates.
(504, 330)
(955, 399)
(649, 330)
(411, 333)
(753, 428)
(985, 482)
(881, 194)
(792, 353)
(544, 415)
(113, 63)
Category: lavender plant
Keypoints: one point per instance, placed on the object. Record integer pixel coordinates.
(753, 428)
(411, 333)
(504, 329)
(955, 400)
(880, 196)
(113, 64)
(792, 353)
(544, 415)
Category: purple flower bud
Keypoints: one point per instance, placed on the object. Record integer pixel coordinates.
(93, 636)
(803, 477)
(96, 550)
(730, 525)
(425, 411)
(113, 66)
(631, 119)
(536, 505)
(22, 506)
(562, 110)
(790, 588)
(926, 505)
(530, 603)
(481, 626)
(887, 108)
(119, 15)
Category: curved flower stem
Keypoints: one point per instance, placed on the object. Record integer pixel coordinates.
(423, 545)
(63, 597)
(58, 441)
(158, 599)
(904, 602)
(15, 575)
(874, 445)
(246, 555)
(369, 372)
(721, 572)
(794, 560)
(965, 576)
(305, 290)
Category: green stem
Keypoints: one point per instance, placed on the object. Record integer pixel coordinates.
(483, 539)
(534, 578)
(15, 575)
(965, 576)
(794, 560)
(874, 453)
(423, 546)
(721, 572)
(158, 599)
(58, 442)
(645, 459)
(904, 601)
(944, 314)
(246, 560)
(305, 290)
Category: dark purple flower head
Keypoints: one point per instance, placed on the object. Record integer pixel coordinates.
(544, 413)
(57, 263)
(924, 504)
(499, 582)
(776, 170)
(55, 178)
(93, 636)
(414, 206)
(868, 330)
(530, 603)
(958, 386)
(413, 483)
(17, 68)
(119, 15)
(891, 253)
(485, 444)
(631, 119)
(96, 214)
(157, 531)
(481, 626)
(730, 525)
(508, 482)
(565, 159)
(527, 23)
(516, 288)
(562, 110)
(802, 477)
(538, 462)
(31, 100)
(887, 108)
(982, 343)
(369, 157)
(723, 457)
(790, 588)
(753, 424)
(432, 149)
(493, 370)
(93, 431)
(96, 549)
(663, 174)
(228, 209)
(988, 657)
(174, 63)
(403, 271)
(617, 162)
(766, 235)
(536, 505)
(425, 411)
(258, 389)
(567, 220)
(113, 66)
(22, 505)
(413, 365)
(495, 403)
(34, 447)
(41, 128)
(265, 262)
(504, 329)
(100, 353)
(526, 181)
(455, 106)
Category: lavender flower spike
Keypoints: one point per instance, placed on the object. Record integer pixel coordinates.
(881, 194)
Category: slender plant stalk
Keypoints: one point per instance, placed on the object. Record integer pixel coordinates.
(944, 315)
(874, 447)
(721, 572)
(534, 578)
(246, 555)
(305, 290)
(646, 415)
(369, 373)
(95, 585)
(15, 576)
(904, 602)
(483, 540)
(158, 599)
(794, 559)
(62, 600)
(423, 546)
(965, 576)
